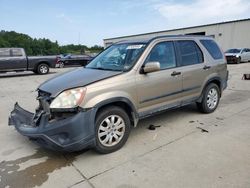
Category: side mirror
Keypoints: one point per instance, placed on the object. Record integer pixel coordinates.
(151, 67)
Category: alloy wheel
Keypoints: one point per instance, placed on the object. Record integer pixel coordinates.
(111, 130)
(212, 98)
(43, 69)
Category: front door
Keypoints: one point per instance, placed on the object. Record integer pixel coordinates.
(18, 59)
(4, 59)
(245, 56)
(162, 89)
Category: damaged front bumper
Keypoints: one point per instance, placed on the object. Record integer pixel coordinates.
(71, 133)
(232, 59)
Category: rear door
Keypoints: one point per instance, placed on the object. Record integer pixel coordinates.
(245, 56)
(193, 67)
(162, 89)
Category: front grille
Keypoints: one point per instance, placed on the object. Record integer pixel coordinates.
(231, 59)
(44, 101)
(43, 94)
(43, 108)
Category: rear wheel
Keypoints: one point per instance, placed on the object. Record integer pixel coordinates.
(112, 129)
(210, 99)
(42, 68)
(61, 65)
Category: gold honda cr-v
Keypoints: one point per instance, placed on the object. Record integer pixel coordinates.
(96, 106)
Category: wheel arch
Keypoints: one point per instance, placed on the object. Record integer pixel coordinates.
(121, 102)
(216, 80)
(42, 62)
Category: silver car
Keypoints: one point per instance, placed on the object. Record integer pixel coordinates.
(238, 55)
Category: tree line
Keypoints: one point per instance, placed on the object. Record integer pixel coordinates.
(42, 46)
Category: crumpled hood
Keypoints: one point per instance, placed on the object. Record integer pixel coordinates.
(76, 78)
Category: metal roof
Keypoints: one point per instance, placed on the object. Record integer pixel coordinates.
(149, 39)
(157, 32)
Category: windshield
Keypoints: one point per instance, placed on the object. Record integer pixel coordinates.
(234, 51)
(118, 57)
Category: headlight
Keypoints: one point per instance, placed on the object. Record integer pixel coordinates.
(69, 99)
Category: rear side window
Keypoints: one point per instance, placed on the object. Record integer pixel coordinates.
(4, 52)
(16, 52)
(190, 53)
(212, 48)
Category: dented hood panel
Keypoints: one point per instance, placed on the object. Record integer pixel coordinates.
(76, 78)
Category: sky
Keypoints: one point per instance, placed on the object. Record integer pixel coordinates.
(88, 22)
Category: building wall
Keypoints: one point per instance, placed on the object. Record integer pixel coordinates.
(228, 35)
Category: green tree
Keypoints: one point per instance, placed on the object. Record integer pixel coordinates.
(42, 46)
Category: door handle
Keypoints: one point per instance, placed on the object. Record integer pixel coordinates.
(175, 73)
(206, 67)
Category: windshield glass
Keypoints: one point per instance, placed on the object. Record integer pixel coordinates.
(118, 57)
(233, 51)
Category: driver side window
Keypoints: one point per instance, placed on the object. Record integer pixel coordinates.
(163, 53)
(246, 50)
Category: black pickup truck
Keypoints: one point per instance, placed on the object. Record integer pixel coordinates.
(15, 59)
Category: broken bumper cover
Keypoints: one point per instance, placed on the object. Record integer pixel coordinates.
(73, 133)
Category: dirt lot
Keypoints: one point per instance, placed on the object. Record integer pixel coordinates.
(188, 150)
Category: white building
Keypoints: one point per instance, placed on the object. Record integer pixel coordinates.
(231, 34)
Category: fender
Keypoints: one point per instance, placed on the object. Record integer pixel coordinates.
(216, 78)
(44, 61)
(134, 113)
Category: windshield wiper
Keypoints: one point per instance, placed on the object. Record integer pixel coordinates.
(101, 68)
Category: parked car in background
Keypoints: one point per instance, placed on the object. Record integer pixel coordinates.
(73, 60)
(238, 55)
(96, 106)
(15, 59)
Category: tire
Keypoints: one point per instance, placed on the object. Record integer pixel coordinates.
(42, 68)
(61, 65)
(108, 138)
(238, 60)
(210, 99)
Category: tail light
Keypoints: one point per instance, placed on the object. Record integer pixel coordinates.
(57, 60)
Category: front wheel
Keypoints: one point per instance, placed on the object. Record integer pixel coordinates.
(42, 68)
(112, 129)
(210, 99)
(238, 61)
